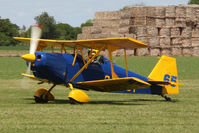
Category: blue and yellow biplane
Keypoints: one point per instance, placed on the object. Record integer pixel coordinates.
(97, 72)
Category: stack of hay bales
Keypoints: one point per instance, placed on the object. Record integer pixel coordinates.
(168, 30)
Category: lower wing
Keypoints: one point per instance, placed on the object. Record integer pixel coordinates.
(114, 84)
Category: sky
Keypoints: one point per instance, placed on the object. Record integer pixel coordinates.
(73, 12)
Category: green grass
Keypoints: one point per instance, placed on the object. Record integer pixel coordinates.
(107, 112)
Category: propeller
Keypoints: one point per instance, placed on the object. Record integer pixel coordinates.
(36, 31)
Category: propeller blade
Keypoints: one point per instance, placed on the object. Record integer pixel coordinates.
(35, 35)
(36, 31)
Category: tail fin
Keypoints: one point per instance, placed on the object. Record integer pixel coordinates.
(166, 70)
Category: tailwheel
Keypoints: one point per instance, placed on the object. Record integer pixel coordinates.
(166, 98)
(42, 95)
(77, 96)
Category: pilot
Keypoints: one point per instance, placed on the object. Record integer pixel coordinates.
(90, 55)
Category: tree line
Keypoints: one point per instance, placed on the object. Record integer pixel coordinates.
(50, 30)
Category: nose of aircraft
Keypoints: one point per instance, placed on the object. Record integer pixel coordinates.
(29, 57)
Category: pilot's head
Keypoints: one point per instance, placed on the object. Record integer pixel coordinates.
(90, 55)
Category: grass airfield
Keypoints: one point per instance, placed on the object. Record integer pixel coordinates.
(107, 112)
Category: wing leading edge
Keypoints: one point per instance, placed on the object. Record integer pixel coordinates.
(114, 43)
(118, 84)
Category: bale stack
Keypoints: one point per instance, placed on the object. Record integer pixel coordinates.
(168, 30)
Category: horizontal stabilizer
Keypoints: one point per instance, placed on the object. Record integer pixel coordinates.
(159, 82)
(117, 84)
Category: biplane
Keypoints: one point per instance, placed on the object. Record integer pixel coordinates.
(96, 72)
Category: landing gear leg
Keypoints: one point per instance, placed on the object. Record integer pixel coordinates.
(43, 95)
(166, 98)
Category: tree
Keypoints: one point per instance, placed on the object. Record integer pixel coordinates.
(48, 25)
(193, 2)
(67, 32)
(7, 32)
(87, 23)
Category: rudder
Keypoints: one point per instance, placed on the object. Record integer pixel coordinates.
(166, 70)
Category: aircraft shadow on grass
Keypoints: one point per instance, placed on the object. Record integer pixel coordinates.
(118, 102)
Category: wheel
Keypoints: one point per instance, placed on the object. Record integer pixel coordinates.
(41, 99)
(168, 98)
(43, 96)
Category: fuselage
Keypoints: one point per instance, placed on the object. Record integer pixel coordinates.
(58, 68)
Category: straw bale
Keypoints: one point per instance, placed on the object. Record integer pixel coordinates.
(138, 30)
(195, 32)
(155, 52)
(124, 30)
(153, 41)
(190, 12)
(191, 22)
(180, 11)
(197, 11)
(118, 52)
(137, 11)
(160, 22)
(195, 41)
(160, 11)
(84, 36)
(150, 11)
(125, 22)
(138, 21)
(176, 51)
(170, 22)
(196, 51)
(176, 41)
(106, 23)
(180, 22)
(150, 21)
(91, 30)
(186, 32)
(165, 32)
(170, 11)
(80, 36)
(165, 41)
(108, 15)
(187, 51)
(152, 31)
(129, 52)
(142, 52)
(166, 51)
(109, 30)
(96, 30)
(130, 35)
(86, 30)
(133, 30)
(175, 32)
(142, 39)
(186, 42)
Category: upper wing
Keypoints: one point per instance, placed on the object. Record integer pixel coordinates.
(114, 43)
(114, 84)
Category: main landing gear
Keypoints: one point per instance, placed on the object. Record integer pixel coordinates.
(166, 98)
(77, 96)
(43, 95)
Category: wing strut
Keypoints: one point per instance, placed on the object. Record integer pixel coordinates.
(76, 52)
(126, 62)
(85, 66)
(110, 50)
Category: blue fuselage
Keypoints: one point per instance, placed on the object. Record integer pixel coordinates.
(57, 68)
